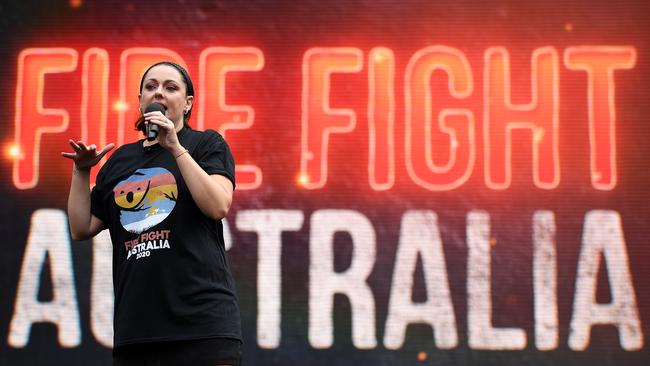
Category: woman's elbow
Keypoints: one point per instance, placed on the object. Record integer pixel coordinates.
(79, 230)
(219, 211)
(76, 235)
(217, 214)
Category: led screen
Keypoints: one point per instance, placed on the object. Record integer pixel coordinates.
(418, 182)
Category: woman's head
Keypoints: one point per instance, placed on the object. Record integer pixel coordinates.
(169, 84)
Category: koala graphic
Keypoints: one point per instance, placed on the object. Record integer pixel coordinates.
(146, 198)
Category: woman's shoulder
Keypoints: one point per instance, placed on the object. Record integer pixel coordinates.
(119, 157)
(205, 139)
(204, 135)
(127, 149)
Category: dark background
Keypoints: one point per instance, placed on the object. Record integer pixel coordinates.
(283, 31)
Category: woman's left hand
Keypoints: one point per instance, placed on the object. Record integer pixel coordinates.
(167, 137)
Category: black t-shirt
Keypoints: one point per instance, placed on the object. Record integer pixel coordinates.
(171, 276)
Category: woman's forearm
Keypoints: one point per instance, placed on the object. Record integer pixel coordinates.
(79, 216)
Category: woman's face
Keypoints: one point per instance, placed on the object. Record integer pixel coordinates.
(164, 84)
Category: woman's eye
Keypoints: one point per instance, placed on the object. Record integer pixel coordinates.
(150, 86)
(172, 88)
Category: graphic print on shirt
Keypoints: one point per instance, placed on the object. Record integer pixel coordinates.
(145, 198)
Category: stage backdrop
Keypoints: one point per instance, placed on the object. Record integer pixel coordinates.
(419, 182)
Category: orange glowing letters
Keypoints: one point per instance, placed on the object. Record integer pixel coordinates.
(214, 113)
(319, 120)
(32, 119)
(431, 128)
(540, 116)
(440, 147)
(600, 62)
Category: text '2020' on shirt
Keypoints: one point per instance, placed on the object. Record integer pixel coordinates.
(170, 272)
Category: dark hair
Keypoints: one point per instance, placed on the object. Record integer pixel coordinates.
(189, 87)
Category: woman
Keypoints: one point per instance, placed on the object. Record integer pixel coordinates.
(162, 201)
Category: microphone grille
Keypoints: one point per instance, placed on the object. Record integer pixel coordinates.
(153, 107)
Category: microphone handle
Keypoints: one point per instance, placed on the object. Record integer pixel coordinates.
(152, 131)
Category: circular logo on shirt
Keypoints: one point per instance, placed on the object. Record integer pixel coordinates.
(146, 198)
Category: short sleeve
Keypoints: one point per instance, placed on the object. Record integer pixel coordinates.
(214, 156)
(96, 198)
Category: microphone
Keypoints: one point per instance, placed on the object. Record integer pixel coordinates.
(152, 129)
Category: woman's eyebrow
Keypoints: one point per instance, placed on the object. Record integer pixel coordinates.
(164, 81)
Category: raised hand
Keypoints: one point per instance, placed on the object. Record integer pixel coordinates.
(86, 156)
(167, 137)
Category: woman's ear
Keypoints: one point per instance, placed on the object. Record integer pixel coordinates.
(189, 102)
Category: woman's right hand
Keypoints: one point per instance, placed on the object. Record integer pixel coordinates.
(84, 156)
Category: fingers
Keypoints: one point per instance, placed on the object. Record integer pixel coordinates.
(155, 113)
(159, 119)
(106, 149)
(80, 148)
(155, 116)
(74, 146)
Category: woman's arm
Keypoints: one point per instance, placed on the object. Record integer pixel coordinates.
(212, 193)
(83, 224)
